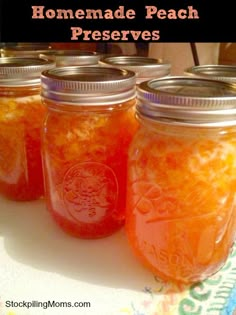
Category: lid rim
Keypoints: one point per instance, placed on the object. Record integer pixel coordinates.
(217, 72)
(195, 100)
(183, 123)
(68, 57)
(85, 84)
(139, 64)
(19, 71)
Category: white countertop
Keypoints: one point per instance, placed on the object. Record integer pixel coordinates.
(39, 262)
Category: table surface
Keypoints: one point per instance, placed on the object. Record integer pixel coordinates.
(44, 267)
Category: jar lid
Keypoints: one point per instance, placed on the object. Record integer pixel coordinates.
(77, 85)
(216, 72)
(16, 71)
(70, 57)
(189, 101)
(32, 50)
(144, 67)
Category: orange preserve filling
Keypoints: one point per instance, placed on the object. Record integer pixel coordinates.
(85, 157)
(21, 118)
(181, 200)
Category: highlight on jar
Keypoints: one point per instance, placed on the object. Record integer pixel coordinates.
(89, 125)
(181, 184)
(21, 118)
(145, 68)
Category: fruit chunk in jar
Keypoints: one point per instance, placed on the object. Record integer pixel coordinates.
(21, 120)
(181, 218)
(85, 161)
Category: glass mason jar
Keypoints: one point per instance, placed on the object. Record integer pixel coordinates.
(21, 117)
(145, 68)
(180, 218)
(69, 57)
(87, 131)
(216, 72)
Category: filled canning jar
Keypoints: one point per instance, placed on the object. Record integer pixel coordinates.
(21, 118)
(87, 131)
(145, 68)
(181, 219)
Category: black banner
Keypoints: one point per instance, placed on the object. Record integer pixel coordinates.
(117, 21)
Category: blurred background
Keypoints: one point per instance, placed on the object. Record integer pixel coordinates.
(180, 55)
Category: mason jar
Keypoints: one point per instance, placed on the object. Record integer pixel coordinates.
(146, 68)
(89, 125)
(181, 184)
(216, 72)
(69, 57)
(21, 118)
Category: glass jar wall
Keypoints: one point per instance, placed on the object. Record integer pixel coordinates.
(89, 126)
(181, 219)
(21, 118)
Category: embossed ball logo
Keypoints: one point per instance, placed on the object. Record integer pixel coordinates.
(90, 191)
